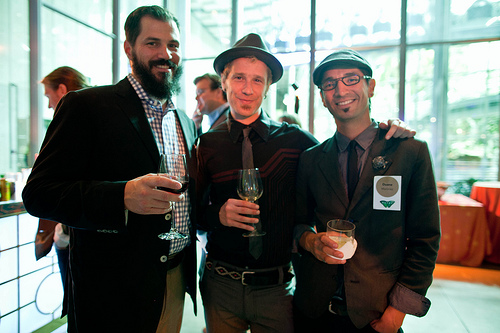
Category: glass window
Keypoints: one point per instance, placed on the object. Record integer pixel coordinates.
(210, 25)
(14, 83)
(285, 25)
(357, 22)
(96, 13)
(68, 43)
(430, 20)
(472, 134)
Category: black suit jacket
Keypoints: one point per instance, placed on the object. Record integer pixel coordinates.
(396, 251)
(98, 140)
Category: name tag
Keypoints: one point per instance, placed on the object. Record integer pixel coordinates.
(387, 193)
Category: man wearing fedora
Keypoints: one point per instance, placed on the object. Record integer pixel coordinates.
(387, 189)
(246, 282)
(241, 290)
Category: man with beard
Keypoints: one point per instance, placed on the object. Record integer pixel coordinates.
(97, 172)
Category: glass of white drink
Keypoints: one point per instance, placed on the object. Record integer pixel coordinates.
(342, 232)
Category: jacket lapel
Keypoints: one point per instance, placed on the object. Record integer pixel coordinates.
(378, 148)
(330, 168)
(188, 130)
(131, 105)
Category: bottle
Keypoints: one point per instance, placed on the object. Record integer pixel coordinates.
(4, 189)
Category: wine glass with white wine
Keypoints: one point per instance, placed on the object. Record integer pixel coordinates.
(173, 166)
(250, 189)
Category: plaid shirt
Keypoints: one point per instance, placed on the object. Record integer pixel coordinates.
(169, 139)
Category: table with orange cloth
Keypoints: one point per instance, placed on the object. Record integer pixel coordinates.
(488, 193)
(464, 231)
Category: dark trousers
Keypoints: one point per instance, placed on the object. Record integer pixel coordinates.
(63, 261)
(328, 322)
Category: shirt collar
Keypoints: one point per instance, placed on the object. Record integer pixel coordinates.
(261, 126)
(364, 139)
(155, 103)
(215, 114)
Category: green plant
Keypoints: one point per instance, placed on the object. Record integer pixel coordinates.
(464, 186)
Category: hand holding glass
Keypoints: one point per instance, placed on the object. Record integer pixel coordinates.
(342, 232)
(174, 167)
(250, 189)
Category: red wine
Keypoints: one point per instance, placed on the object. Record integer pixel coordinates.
(176, 191)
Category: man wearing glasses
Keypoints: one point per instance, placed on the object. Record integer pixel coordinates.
(212, 101)
(387, 189)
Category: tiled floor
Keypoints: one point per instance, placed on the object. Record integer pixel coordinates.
(464, 300)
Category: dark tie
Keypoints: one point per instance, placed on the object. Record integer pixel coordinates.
(255, 243)
(352, 169)
(247, 149)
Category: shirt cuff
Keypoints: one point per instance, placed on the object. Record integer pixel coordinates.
(408, 301)
(298, 231)
(126, 217)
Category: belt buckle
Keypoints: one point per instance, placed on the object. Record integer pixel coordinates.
(330, 309)
(243, 277)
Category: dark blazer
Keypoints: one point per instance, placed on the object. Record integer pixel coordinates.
(98, 140)
(396, 250)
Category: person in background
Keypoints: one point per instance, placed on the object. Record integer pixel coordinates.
(290, 118)
(97, 172)
(56, 84)
(387, 189)
(61, 81)
(212, 101)
(246, 281)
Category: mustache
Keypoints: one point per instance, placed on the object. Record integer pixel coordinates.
(163, 62)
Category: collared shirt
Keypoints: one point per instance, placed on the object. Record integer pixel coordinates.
(364, 142)
(170, 140)
(215, 114)
(276, 149)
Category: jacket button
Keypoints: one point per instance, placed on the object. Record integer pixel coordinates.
(168, 216)
(163, 258)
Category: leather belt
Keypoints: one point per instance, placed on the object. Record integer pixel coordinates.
(174, 260)
(252, 277)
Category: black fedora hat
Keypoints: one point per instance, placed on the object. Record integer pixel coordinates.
(250, 45)
(345, 58)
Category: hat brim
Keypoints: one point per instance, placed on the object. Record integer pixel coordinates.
(244, 51)
(337, 63)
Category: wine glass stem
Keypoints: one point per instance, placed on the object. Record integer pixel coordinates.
(172, 225)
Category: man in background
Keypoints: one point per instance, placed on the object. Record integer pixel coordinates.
(56, 84)
(212, 101)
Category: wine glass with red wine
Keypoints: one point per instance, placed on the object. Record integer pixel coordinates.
(174, 167)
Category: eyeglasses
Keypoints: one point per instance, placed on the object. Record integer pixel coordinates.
(349, 80)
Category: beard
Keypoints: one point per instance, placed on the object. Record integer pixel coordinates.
(163, 88)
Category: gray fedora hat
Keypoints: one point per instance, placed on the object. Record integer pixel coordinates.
(250, 45)
(344, 58)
